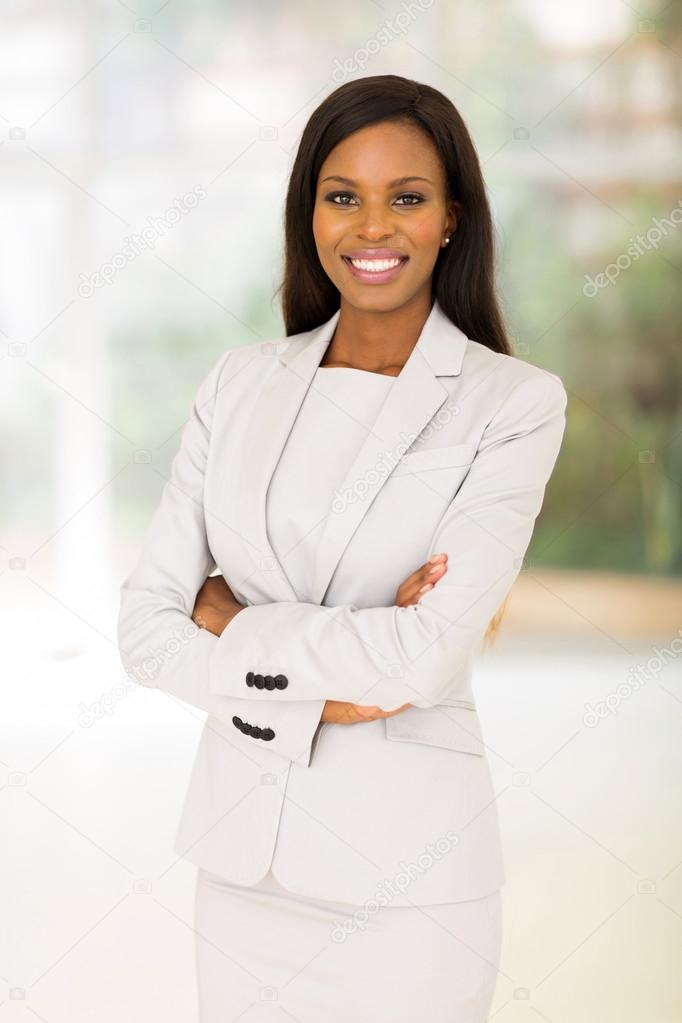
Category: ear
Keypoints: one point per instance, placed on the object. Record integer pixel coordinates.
(453, 213)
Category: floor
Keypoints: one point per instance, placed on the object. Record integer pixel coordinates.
(586, 757)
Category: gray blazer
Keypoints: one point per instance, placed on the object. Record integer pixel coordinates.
(400, 809)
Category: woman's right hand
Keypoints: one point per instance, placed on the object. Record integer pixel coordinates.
(421, 581)
(409, 592)
(342, 713)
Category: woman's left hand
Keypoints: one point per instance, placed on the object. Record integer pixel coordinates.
(215, 605)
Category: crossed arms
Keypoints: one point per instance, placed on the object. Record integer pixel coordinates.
(384, 656)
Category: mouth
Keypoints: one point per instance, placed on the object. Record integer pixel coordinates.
(375, 271)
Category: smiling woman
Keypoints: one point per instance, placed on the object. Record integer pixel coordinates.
(386, 167)
(353, 226)
(368, 493)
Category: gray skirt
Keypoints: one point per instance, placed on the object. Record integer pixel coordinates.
(264, 948)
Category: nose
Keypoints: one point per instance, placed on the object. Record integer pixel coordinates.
(375, 223)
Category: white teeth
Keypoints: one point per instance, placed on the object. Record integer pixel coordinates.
(375, 265)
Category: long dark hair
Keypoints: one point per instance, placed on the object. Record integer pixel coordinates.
(463, 277)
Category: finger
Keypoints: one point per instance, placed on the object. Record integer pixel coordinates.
(423, 570)
(344, 713)
(357, 713)
(364, 711)
(376, 713)
(425, 580)
(398, 710)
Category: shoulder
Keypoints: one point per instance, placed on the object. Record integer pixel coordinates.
(511, 379)
(241, 371)
(256, 356)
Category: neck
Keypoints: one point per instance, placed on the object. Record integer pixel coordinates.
(380, 342)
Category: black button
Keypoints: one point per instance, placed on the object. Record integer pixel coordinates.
(253, 730)
(281, 681)
(249, 678)
(269, 682)
(258, 681)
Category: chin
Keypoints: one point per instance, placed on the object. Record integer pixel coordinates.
(375, 303)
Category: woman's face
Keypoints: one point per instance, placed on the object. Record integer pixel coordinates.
(381, 196)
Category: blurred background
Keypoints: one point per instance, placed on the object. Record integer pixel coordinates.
(145, 150)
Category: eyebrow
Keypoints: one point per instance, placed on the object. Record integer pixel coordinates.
(391, 184)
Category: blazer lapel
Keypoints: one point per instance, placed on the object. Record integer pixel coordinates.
(413, 400)
(270, 424)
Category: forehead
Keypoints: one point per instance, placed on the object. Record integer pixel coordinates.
(382, 152)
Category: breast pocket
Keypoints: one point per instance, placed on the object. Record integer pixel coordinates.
(451, 456)
(454, 728)
(440, 470)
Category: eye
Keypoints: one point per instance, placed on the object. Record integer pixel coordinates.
(332, 197)
(412, 195)
(339, 195)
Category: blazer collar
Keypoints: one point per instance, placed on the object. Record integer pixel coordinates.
(441, 343)
(415, 397)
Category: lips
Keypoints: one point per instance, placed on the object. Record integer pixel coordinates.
(374, 254)
(374, 260)
(375, 267)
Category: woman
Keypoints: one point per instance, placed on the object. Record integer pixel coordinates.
(368, 487)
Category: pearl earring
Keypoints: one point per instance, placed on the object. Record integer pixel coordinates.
(447, 240)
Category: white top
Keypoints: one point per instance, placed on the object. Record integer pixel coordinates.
(338, 411)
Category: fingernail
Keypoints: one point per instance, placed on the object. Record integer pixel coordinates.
(427, 587)
(434, 557)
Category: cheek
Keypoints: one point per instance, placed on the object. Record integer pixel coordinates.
(324, 227)
(425, 232)
(323, 239)
(318, 227)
